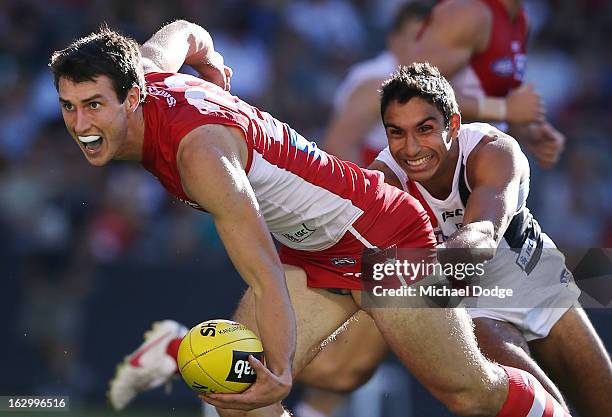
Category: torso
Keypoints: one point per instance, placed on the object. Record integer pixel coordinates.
(501, 66)
(308, 198)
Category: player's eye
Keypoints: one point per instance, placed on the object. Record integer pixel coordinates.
(394, 132)
(67, 106)
(94, 105)
(424, 128)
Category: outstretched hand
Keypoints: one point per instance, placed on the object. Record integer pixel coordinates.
(268, 389)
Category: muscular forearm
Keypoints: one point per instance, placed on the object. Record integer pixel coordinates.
(178, 43)
(276, 323)
(473, 243)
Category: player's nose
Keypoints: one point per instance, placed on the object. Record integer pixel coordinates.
(82, 123)
(411, 146)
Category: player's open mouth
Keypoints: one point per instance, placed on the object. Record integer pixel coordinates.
(419, 163)
(91, 143)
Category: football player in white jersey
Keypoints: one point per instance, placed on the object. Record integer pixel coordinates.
(448, 166)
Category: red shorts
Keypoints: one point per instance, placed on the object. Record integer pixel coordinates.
(402, 222)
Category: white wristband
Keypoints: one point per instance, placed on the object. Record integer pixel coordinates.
(492, 108)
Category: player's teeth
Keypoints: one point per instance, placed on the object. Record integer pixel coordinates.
(88, 139)
(419, 161)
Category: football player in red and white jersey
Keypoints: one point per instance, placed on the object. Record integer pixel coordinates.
(256, 176)
(480, 47)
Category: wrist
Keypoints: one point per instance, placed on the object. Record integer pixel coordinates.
(492, 108)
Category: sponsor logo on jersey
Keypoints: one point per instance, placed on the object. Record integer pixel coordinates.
(520, 64)
(452, 213)
(343, 261)
(527, 252)
(241, 370)
(440, 236)
(503, 67)
(566, 276)
(154, 91)
(300, 234)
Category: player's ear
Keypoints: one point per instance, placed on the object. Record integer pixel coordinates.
(132, 100)
(454, 125)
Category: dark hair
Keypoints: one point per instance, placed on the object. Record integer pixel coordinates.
(105, 52)
(420, 80)
(410, 10)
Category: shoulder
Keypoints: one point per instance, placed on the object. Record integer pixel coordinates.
(211, 141)
(460, 23)
(390, 177)
(464, 14)
(497, 154)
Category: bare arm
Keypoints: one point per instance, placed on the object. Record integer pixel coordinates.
(211, 160)
(349, 125)
(457, 30)
(181, 42)
(494, 198)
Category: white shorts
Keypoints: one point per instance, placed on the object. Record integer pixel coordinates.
(539, 298)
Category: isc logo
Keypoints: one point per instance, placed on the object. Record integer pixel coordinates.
(452, 213)
(241, 370)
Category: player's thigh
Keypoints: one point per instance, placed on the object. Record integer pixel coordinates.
(438, 346)
(575, 357)
(348, 359)
(318, 313)
(497, 339)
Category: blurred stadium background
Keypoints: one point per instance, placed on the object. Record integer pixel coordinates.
(89, 257)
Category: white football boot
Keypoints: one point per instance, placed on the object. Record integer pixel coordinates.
(147, 367)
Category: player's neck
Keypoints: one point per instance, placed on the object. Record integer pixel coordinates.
(440, 185)
(132, 150)
(512, 6)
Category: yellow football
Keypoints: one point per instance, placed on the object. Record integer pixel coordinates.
(213, 357)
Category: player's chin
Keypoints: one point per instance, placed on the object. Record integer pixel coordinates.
(421, 175)
(98, 159)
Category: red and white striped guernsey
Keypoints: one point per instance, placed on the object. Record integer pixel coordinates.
(308, 198)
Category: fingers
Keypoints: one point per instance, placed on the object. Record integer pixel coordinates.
(230, 401)
(228, 77)
(258, 366)
(256, 396)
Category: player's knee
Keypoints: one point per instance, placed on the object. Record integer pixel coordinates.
(351, 377)
(337, 376)
(469, 397)
(462, 403)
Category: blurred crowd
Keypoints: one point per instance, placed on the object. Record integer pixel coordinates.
(61, 219)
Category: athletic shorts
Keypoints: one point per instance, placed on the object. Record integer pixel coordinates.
(546, 293)
(401, 223)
